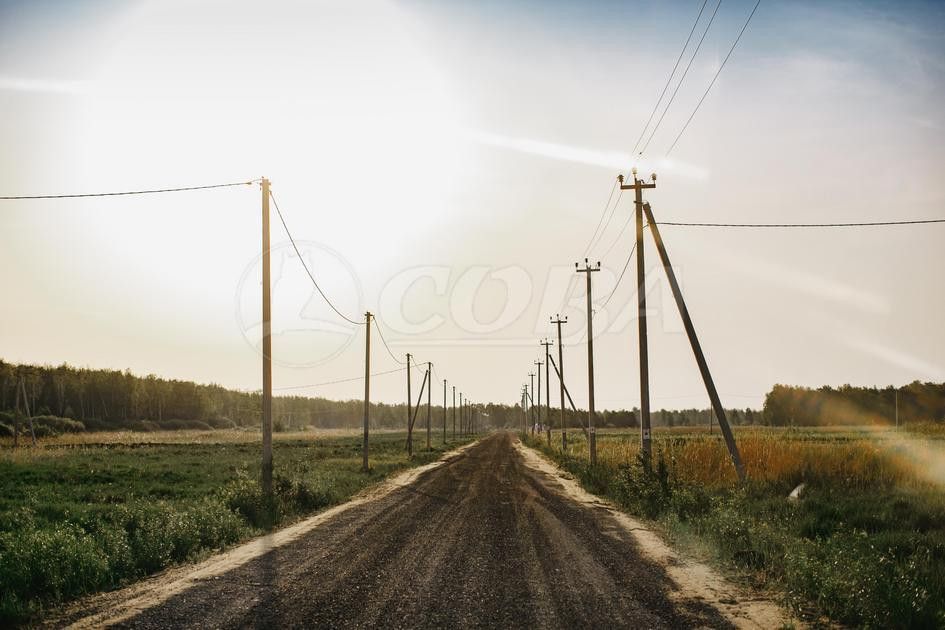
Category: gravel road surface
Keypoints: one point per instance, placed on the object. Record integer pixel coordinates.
(481, 541)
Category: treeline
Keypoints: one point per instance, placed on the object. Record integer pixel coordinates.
(801, 406)
(113, 399)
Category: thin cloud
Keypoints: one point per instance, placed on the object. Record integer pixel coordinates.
(49, 86)
(805, 282)
(893, 356)
(581, 155)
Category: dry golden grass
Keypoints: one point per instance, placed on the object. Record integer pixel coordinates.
(855, 457)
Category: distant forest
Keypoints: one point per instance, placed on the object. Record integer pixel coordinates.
(112, 399)
(801, 406)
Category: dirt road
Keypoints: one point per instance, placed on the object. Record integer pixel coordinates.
(487, 539)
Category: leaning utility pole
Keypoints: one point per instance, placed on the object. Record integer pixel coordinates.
(367, 389)
(266, 346)
(564, 433)
(444, 411)
(638, 186)
(547, 343)
(409, 415)
(531, 402)
(539, 364)
(591, 434)
(429, 411)
(696, 347)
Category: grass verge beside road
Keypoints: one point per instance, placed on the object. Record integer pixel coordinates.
(864, 545)
(77, 518)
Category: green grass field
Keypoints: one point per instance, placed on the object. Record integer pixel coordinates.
(80, 514)
(864, 546)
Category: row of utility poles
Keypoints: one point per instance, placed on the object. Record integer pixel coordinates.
(642, 210)
(469, 416)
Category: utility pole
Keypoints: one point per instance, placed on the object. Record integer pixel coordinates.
(367, 389)
(696, 347)
(531, 402)
(266, 346)
(454, 413)
(638, 187)
(461, 432)
(409, 414)
(524, 413)
(444, 412)
(429, 409)
(591, 433)
(539, 364)
(564, 433)
(547, 343)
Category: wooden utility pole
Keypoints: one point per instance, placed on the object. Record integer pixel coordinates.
(696, 347)
(524, 413)
(266, 346)
(429, 409)
(591, 433)
(444, 411)
(367, 389)
(564, 434)
(531, 402)
(454, 412)
(547, 343)
(638, 187)
(409, 414)
(538, 422)
(461, 431)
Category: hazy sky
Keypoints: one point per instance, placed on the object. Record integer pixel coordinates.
(444, 164)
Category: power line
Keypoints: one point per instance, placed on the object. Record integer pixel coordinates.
(342, 380)
(380, 333)
(802, 225)
(129, 192)
(706, 93)
(619, 234)
(620, 277)
(670, 78)
(682, 78)
(307, 270)
(609, 219)
(601, 220)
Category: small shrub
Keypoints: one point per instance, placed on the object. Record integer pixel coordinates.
(221, 423)
(246, 497)
(690, 502)
(59, 425)
(641, 490)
